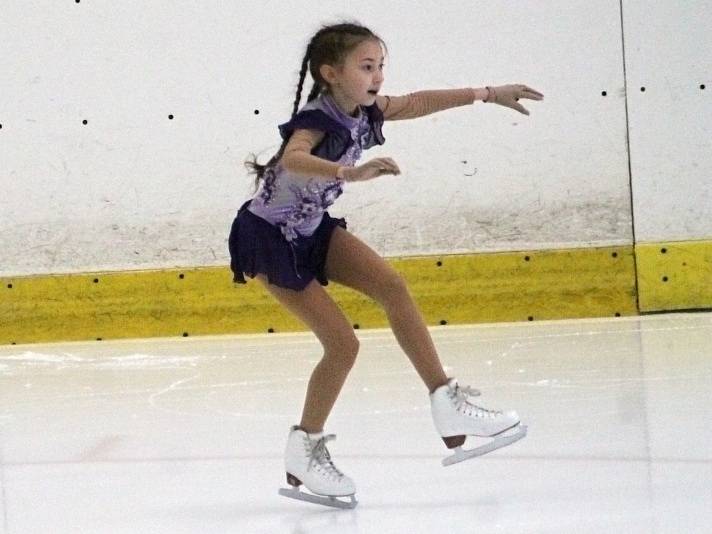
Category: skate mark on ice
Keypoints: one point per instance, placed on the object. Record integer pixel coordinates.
(174, 386)
(201, 405)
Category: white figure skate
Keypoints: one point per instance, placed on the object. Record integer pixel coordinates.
(308, 462)
(456, 418)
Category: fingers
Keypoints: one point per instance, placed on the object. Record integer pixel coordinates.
(531, 94)
(394, 166)
(386, 166)
(373, 169)
(521, 91)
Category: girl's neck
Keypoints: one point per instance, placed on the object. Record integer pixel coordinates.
(349, 107)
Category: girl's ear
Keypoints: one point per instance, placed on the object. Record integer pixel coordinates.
(328, 73)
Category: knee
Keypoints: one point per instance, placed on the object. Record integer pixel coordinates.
(344, 349)
(350, 348)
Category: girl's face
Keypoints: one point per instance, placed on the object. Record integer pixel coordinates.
(358, 80)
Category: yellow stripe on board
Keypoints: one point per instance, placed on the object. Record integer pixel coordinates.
(675, 275)
(451, 289)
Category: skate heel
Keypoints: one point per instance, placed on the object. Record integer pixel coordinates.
(452, 442)
(293, 481)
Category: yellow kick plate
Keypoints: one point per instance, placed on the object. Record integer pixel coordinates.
(675, 275)
(449, 289)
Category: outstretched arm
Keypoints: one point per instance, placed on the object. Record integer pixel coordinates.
(423, 103)
(426, 102)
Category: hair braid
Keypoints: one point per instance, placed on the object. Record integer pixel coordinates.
(302, 76)
(316, 89)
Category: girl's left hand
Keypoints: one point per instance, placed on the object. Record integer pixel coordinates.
(508, 95)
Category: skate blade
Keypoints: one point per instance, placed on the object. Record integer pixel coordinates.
(498, 442)
(334, 502)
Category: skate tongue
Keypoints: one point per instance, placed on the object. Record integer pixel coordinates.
(315, 436)
(467, 390)
(472, 392)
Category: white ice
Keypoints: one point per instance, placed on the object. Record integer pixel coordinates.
(186, 435)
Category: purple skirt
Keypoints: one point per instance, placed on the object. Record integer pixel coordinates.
(256, 246)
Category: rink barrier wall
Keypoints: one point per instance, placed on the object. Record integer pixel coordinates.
(674, 275)
(449, 289)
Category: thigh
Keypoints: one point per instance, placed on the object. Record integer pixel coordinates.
(352, 263)
(315, 307)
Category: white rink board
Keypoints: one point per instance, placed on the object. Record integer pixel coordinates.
(132, 189)
(669, 52)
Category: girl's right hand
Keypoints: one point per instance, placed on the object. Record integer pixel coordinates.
(372, 169)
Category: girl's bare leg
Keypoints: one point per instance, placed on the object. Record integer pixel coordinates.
(319, 312)
(354, 264)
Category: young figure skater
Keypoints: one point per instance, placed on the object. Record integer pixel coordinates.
(285, 238)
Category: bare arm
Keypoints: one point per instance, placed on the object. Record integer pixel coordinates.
(297, 157)
(423, 103)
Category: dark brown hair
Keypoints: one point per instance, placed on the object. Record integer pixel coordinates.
(329, 46)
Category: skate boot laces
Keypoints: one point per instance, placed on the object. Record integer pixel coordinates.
(320, 458)
(459, 396)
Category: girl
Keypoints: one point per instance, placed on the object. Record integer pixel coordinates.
(285, 238)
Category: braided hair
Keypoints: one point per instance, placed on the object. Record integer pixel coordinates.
(329, 46)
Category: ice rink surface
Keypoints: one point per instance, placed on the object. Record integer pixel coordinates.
(186, 435)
